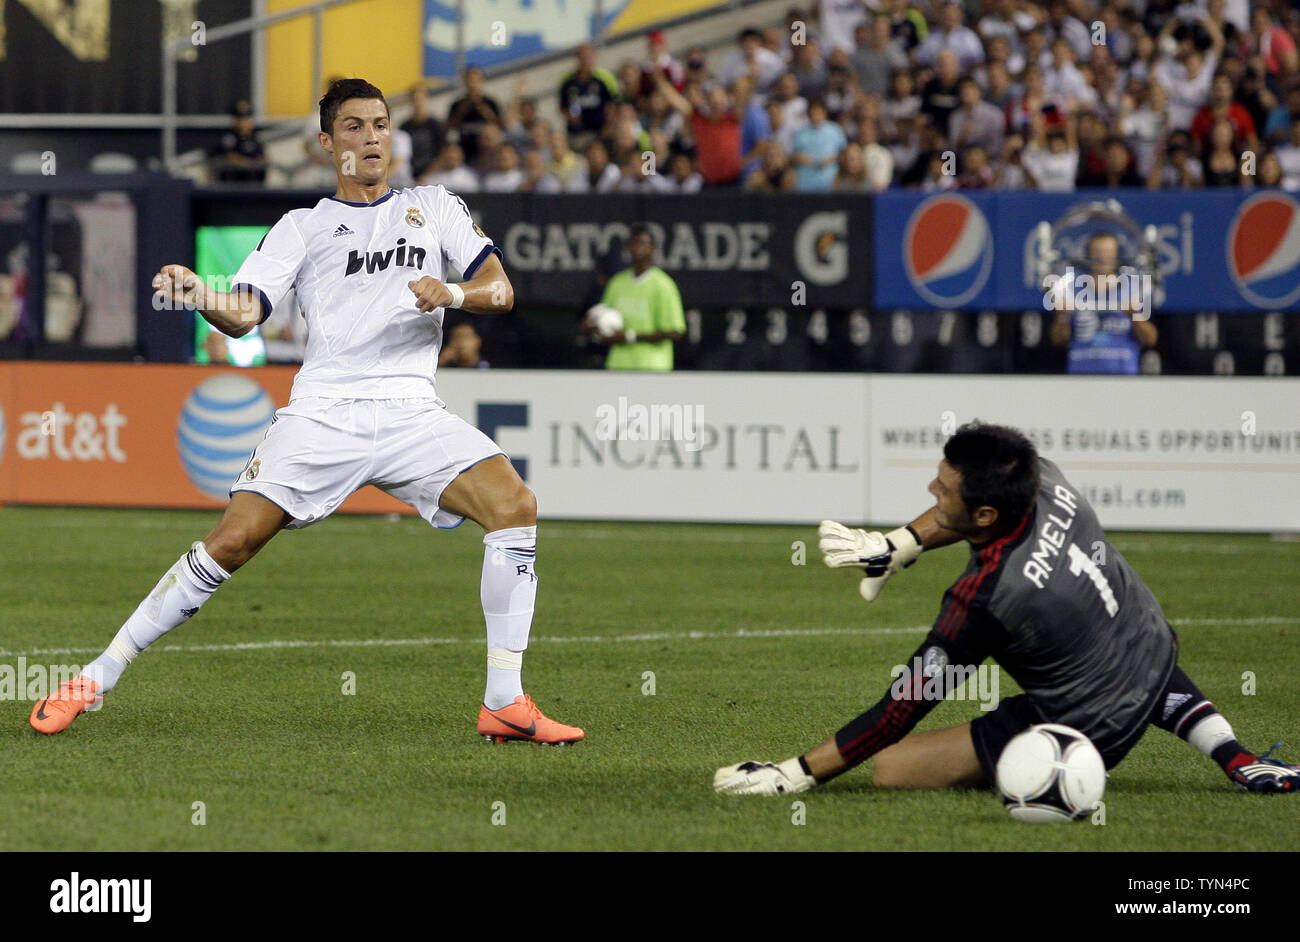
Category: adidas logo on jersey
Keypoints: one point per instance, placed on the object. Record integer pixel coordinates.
(403, 256)
(343, 230)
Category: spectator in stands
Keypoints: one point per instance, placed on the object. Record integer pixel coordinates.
(1221, 107)
(1062, 25)
(1288, 158)
(755, 125)
(839, 21)
(651, 306)
(817, 150)
(852, 176)
(1103, 75)
(1270, 172)
(1063, 80)
(1145, 125)
(904, 145)
(1222, 156)
(565, 165)
(903, 101)
(976, 123)
(716, 128)
(1052, 158)
(752, 58)
(877, 159)
(240, 156)
(471, 113)
(939, 96)
(1271, 42)
(809, 70)
(1010, 172)
(999, 91)
(1091, 130)
(976, 171)
(600, 175)
(682, 175)
(629, 77)
(537, 179)
(450, 171)
(584, 95)
(930, 163)
(1176, 166)
(906, 23)
(319, 173)
(951, 35)
(1187, 78)
(428, 136)
(1002, 20)
(506, 175)
(877, 56)
(399, 162)
(659, 59)
(490, 139)
(659, 115)
(1121, 167)
(520, 118)
(1104, 341)
(463, 348)
(774, 173)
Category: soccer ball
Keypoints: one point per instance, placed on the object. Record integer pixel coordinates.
(1051, 772)
(607, 320)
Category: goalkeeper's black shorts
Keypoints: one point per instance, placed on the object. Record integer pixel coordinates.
(991, 732)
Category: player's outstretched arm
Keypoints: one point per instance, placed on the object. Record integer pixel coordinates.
(880, 555)
(234, 314)
(488, 292)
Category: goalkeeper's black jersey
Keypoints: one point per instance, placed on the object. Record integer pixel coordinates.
(1061, 611)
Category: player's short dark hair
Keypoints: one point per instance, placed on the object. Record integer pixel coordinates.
(998, 467)
(639, 229)
(341, 91)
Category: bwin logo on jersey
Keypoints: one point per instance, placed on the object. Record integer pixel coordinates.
(407, 256)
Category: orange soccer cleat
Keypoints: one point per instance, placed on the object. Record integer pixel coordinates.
(522, 721)
(56, 712)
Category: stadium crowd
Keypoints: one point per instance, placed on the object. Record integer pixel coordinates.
(861, 95)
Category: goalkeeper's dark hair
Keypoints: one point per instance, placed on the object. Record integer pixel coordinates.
(998, 467)
(345, 90)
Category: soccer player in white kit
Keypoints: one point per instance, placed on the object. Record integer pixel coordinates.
(368, 267)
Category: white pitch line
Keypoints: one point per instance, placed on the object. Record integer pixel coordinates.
(739, 634)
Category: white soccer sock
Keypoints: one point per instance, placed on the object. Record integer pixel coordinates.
(508, 592)
(1210, 733)
(174, 600)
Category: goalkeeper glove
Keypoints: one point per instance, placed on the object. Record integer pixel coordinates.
(880, 555)
(763, 778)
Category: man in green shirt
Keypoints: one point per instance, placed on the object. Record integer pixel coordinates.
(651, 306)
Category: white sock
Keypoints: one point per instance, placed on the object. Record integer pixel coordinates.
(508, 592)
(174, 600)
(1210, 733)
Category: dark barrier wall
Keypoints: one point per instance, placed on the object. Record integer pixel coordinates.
(107, 59)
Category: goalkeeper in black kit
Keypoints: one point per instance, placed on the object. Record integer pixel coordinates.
(1078, 630)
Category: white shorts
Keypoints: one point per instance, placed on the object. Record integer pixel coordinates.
(317, 452)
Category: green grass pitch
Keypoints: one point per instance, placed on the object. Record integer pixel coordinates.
(753, 656)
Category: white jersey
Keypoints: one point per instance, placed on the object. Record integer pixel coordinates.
(350, 264)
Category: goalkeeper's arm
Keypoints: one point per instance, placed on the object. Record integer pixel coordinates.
(880, 555)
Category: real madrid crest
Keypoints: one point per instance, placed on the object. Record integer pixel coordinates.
(253, 468)
(414, 219)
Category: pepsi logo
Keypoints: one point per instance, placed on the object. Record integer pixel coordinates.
(948, 250)
(1264, 250)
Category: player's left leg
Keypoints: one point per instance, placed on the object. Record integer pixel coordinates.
(1187, 713)
(937, 758)
(492, 494)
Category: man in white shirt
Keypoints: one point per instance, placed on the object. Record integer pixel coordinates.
(369, 266)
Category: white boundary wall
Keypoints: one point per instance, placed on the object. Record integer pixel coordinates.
(1149, 453)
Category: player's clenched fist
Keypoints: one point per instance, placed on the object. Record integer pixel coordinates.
(178, 285)
(430, 293)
